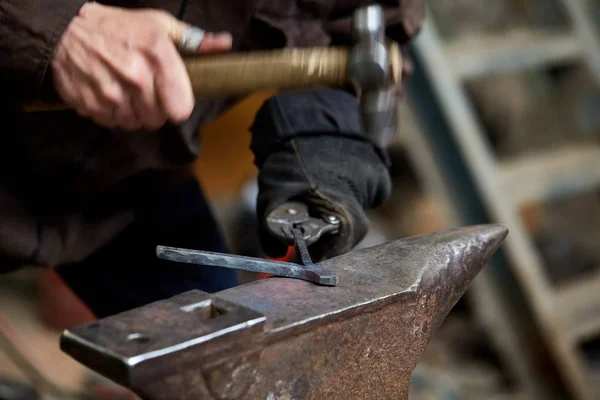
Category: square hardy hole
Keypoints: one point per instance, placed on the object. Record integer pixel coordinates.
(205, 310)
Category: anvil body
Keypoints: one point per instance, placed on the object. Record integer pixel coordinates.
(283, 338)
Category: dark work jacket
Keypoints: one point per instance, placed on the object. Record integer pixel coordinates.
(67, 186)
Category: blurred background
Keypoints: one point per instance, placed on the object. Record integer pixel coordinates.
(500, 123)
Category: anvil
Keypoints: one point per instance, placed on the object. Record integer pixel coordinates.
(281, 338)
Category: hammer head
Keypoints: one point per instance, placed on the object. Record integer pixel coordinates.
(369, 71)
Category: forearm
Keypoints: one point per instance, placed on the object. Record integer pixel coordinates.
(29, 33)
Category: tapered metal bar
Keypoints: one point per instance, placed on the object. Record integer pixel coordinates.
(278, 268)
(301, 249)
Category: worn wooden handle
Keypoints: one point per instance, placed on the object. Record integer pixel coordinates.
(236, 74)
(243, 73)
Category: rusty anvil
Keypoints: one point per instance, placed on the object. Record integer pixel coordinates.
(372, 65)
(281, 338)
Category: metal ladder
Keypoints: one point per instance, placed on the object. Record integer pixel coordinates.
(564, 315)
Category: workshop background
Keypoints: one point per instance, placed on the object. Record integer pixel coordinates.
(501, 122)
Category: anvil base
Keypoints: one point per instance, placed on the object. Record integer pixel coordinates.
(282, 338)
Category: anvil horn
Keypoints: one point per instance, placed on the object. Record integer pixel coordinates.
(285, 338)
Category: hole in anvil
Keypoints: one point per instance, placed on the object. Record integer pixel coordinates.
(205, 309)
(138, 338)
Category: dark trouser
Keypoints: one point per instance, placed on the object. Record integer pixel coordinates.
(126, 273)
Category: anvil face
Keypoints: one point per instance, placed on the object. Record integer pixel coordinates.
(282, 338)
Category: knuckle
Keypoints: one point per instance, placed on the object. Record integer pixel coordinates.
(113, 94)
(104, 24)
(96, 111)
(164, 15)
(135, 72)
(154, 35)
(159, 51)
(89, 8)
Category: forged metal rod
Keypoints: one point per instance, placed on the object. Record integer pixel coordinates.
(313, 273)
(302, 250)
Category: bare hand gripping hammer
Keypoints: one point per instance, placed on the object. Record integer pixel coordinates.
(371, 65)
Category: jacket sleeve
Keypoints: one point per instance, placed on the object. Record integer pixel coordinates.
(29, 33)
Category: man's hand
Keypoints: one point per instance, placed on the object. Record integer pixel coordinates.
(121, 68)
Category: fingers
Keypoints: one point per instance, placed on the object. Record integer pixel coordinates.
(127, 116)
(92, 106)
(90, 95)
(162, 88)
(121, 67)
(216, 42)
(171, 25)
(203, 42)
(173, 86)
(138, 78)
(147, 105)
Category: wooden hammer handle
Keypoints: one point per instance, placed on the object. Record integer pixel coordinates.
(234, 74)
(243, 73)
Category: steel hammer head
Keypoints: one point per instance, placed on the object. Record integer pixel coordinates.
(369, 71)
(368, 65)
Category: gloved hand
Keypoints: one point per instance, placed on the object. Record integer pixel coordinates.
(308, 147)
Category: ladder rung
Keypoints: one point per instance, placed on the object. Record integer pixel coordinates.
(579, 308)
(551, 174)
(513, 51)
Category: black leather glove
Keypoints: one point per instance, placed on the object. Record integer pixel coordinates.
(308, 147)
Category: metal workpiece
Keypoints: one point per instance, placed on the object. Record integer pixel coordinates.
(205, 259)
(292, 224)
(281, 338)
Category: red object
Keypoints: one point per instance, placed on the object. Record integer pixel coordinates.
(60, 307)
(288, 257)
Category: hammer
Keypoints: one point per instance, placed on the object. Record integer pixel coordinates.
(371, 65)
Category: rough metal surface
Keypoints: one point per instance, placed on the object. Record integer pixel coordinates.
(289, 339)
